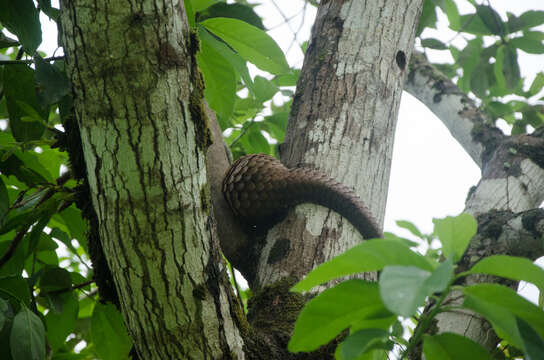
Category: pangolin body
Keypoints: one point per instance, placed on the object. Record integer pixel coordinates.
(258, 187)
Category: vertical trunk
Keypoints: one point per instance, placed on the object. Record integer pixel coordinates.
(343, 122)
(137, 96)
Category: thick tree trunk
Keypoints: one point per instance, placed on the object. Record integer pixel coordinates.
(137, 95)
(343, 122)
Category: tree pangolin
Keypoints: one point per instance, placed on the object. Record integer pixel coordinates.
(258, 187)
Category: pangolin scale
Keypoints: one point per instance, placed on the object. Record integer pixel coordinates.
(258, 187)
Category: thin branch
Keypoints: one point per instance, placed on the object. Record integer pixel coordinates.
(74, 287)
(30, 61)
(13, 246)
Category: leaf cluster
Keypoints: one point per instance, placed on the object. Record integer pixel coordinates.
(408, 281)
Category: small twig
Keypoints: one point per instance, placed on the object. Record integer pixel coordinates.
(30, 61)
(75, 287)
(242, 133)
(13, 246)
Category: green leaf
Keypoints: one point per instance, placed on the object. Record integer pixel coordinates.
(500, 305)
(401, 288)
(334, 310)
(450, 346)
(530, 42)
(411, 227)
(468, 59)
(449, 7)
(54, 279)
(472, 24)
(199, 5)
(233, 58)
(220, 79)
(71, 217)
(4, 201)
(15, 287)
(264, 89)
(358, 343)
(234, 11)
(525, 21)
(190, 12)
(250, 42)
(27, 338)
(428, 16)
(533, 345)
(371, 255)
(22, 19)
(257, 141)
(4, 308)
(491, 19)
(510, 267)
(455, 234)
(54, 84)
(506, 67)
(7, 42)
(108, 333)
(59, 326)
(537, 84)
(479, 80)
(433, 44)
(20, 87)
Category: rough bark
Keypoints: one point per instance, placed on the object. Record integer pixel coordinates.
(137, 96)
(342, 123)
(505, 200)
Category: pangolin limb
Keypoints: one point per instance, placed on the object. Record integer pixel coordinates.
(258, 187)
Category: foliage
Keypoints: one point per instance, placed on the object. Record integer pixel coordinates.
(409, 281)
(48, 301)
(487, 66)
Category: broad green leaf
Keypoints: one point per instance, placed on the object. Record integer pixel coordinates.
(27, 338)
(455, 234)
(275, 125)
(4, 201)
(16, 287)
(287, 79)
(533, 345)
(450, 346)
(108, 333)
(20, 87)
(537, 84)
(199, 5)
(433, 43)
(220, 79)
(472, 24)
(257, 141)
(22, 19)
(525, 21)
(264, 89)
(189, 12)
(479, 80)
(252, 43)
(4, 308)
(53, 83)
(402, 288)
(59, 326)
(468, 59)
(71, 217)
(449, 7)
(531, 42)
(411, 227)
(334, 310)
(54, 279)
(358, 343)
(428, 16)
(510, 267)
(7, 42)
(235, 11)
(15, 265)
(510, 67)
(500, 305)
(233, 58)
(491, 19)
(371, 255)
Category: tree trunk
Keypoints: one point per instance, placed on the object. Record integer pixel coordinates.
(138, 100)
(137, 94)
